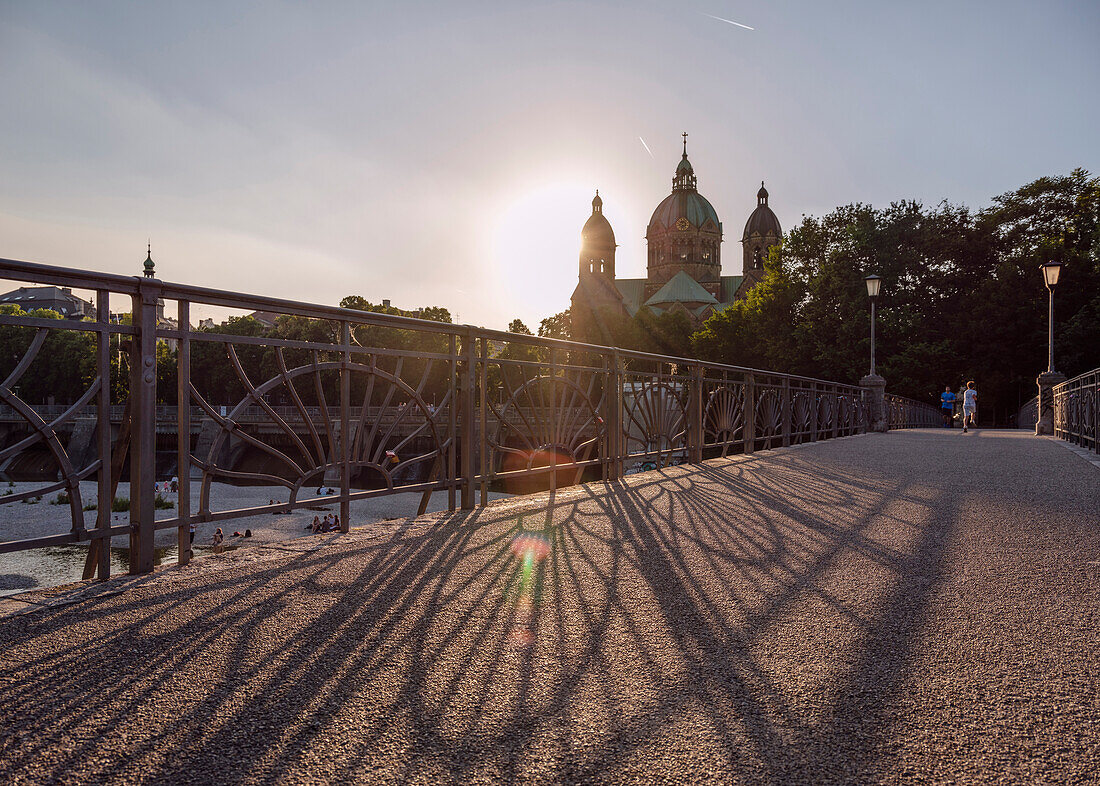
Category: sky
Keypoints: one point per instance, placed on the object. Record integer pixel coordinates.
(446, 153)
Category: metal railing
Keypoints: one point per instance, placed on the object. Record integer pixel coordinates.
(904, 412)
(1077, 409)
(464, 409)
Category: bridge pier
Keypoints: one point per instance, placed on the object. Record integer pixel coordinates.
(1046, 382)
(874, 394)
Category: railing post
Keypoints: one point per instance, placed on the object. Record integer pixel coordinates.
(466, 444)
(483, 421)
(183, 433)
(613, 417)
(813, 412)
(102, 546)
(345, 426)
(836, 411)
(143, 434)
(749, 432)
(785, 413)
(695, 433)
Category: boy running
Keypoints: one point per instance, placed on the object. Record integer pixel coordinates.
(970, 406)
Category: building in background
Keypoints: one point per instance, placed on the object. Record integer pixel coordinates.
(59, 299)
(684, 259)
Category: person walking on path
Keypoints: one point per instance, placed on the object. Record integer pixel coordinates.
(970, 406)
(947, 406)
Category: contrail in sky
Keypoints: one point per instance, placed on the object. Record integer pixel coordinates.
(729, 21)
(646, 147)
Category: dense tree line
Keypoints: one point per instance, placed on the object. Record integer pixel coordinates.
(962, 295)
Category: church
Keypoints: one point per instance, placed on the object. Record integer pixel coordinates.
(684, 266)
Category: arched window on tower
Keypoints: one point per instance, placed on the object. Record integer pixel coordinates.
(757, 259)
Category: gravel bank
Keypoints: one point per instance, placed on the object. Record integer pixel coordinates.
(912, 607)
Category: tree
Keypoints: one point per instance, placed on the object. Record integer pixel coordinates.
(559, 325)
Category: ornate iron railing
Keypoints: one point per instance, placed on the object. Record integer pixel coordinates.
(368, 404)
(1077, 410)
(904, 412)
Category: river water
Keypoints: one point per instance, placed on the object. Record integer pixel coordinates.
(55, 565)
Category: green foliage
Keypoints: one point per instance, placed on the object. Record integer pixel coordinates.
(90, 505)
(62, 498)
(557, 326)
(160, 503)
(120, 505)
(962, 296)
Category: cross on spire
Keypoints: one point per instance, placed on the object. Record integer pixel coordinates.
(685, 135)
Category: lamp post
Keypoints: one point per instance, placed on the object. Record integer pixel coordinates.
(1051, 271)
(873, 385)
(874, 284)
(1045, 424)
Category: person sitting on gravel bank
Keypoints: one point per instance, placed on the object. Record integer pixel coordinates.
(315, 527)
(218, 537)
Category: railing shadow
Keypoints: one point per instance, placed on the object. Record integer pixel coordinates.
(703, 601)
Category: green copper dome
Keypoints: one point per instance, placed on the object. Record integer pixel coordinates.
(685, 201)
(684, 204)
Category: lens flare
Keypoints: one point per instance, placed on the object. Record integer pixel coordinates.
(530, 548)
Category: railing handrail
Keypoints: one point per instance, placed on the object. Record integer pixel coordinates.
(50, 274)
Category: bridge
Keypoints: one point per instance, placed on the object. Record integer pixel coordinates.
(914, 606)
(811, 584)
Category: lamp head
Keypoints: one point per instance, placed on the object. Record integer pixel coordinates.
(1051, 271)
(874, 284)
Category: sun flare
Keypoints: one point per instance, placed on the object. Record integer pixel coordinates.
(535, 245)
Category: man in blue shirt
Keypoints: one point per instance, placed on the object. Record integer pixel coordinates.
(947, 407)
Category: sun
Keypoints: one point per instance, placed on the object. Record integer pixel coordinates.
(535, 244)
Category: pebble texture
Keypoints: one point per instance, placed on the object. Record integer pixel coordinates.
(918, 606)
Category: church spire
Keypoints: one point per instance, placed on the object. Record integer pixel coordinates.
(684, 179)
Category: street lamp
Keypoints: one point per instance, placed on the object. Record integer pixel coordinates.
(874, 284)
(1051, 271)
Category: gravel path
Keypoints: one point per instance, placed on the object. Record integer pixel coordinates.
(914, 607)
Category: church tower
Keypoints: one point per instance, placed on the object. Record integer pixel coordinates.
(684, 235)
(598, 243)
(762, 231)
(596, 295)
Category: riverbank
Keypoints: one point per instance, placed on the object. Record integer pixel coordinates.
(53, 566)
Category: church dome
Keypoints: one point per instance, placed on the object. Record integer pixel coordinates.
(763, 221)
(597, 229)
(684, 202)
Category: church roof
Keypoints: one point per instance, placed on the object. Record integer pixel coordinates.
(681, 288)
(763, 221)
(685, 201)
(598, 228)
(633, 292)
(730, 285)
(684, 204)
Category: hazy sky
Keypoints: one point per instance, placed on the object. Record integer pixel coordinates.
(445, 153)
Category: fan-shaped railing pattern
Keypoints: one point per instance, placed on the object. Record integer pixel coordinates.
(724, 417)
(382, 440)
(769, 416)
(1077, 410)
(547, 420)
(46, 433)
(655, 421)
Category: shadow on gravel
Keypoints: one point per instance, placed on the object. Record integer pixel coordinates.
(586, 642)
